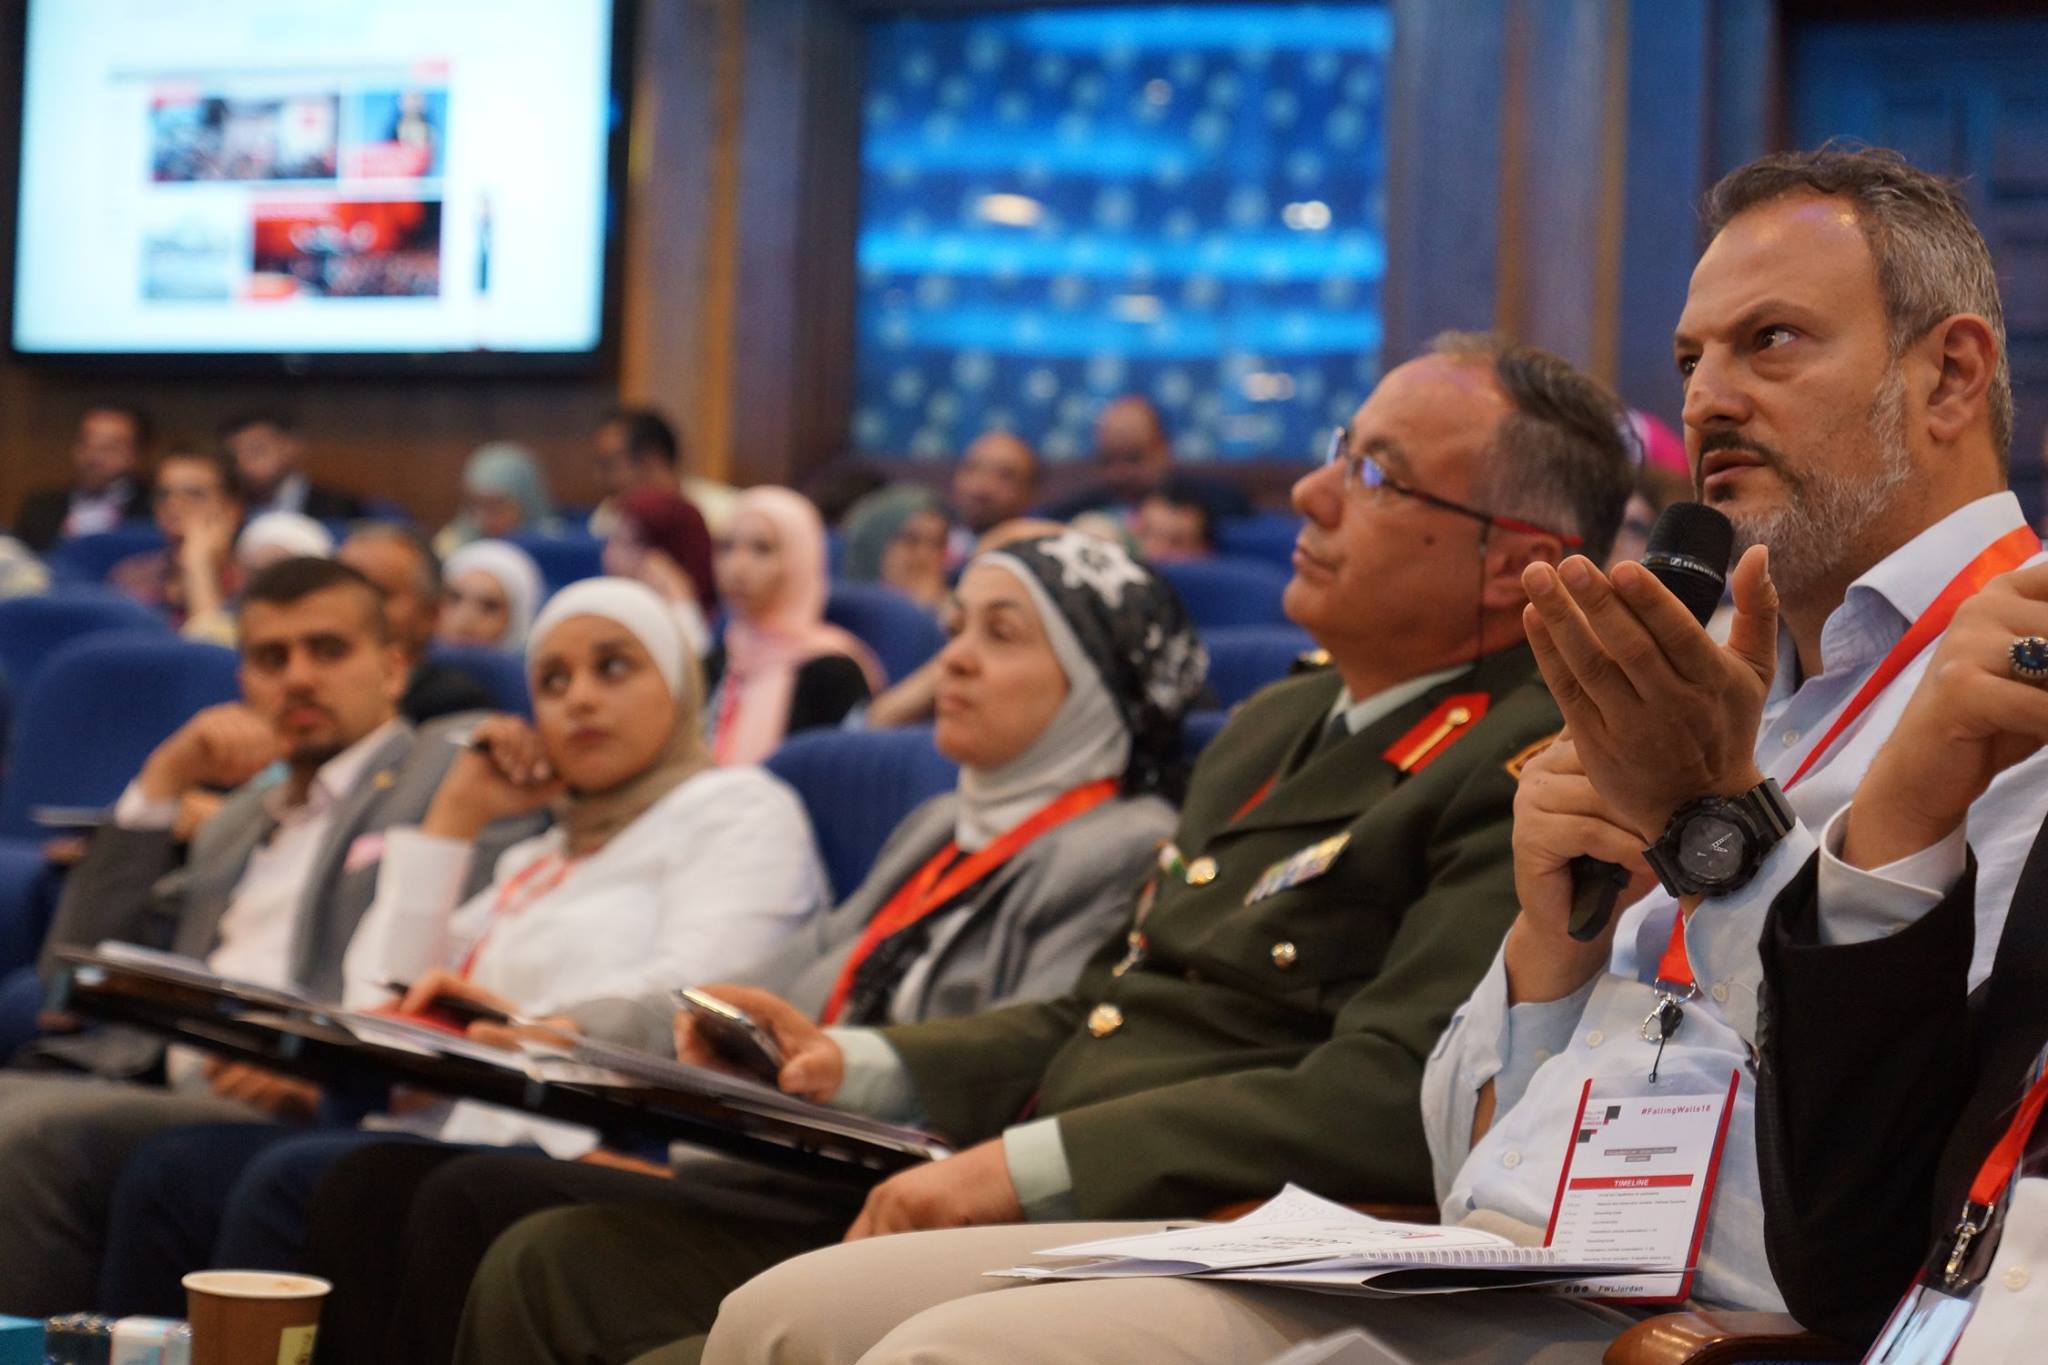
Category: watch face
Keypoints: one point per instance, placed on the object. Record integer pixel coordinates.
(1711, 848)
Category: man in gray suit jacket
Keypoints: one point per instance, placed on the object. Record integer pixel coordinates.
(271, 891)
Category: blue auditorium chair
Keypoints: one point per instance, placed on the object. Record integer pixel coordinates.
(100, 704)
(501, 674)
(1227, 592)
(563, 559)
(86, 559)
(385, 509)
(1243, 659)
(28, 898)
(21, 1000)
(81, 730)
(857, 785)
(902, 634)
(32, 628)
(1265, 536)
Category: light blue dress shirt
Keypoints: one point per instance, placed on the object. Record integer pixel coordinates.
(1540, 1055)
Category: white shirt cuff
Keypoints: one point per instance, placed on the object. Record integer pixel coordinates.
(1037, 1158)
(876, 1083)
(136, 811)
(1859, 905)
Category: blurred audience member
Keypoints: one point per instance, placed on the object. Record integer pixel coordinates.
(270, 891)
(199, 510)
(490, 590)
(896, 536)
(1133, 456)
(267, 454)
(503, 494)
(780, 668)
(996, 481)
(660, 539)
(637, 448)
(21, 573)
(399, 562)
(1661, 447)
(106, 485)
(1657, 487)
(280, 535)
(1174, 523)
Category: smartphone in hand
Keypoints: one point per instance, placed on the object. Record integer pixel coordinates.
(733, 1035)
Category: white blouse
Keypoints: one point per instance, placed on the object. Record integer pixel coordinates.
(707, 880)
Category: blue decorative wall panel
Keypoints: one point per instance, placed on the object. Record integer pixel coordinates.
(1062, 206)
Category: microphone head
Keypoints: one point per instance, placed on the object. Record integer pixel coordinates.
(1688, 553)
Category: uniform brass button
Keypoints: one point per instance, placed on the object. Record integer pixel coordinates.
(1104, 1020)
(1201, 871)
(1285, 955)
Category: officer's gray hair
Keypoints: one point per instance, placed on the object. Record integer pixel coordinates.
(1559, 459)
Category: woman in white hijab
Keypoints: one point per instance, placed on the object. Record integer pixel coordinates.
(660, 869)
(490, 590)
(280, 535)
(266, 540)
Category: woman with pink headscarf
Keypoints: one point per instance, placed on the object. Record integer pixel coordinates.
(781, 668)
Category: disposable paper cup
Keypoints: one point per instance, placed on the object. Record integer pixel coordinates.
(253, 1317)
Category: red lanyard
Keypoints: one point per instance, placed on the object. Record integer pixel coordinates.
(1996, 1172)
(533, 882)
(934, 886)
(2009, 551)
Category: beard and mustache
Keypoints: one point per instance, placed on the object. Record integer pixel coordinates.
(1825, 507)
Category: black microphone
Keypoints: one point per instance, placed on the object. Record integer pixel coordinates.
(1688, 553)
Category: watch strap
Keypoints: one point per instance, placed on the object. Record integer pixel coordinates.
(1769, 817)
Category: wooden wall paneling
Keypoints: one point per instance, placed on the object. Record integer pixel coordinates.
(1561, 205)
(798, 205)
(1745, 108)
(676, 312)
(1445, 110)
(1668, 43)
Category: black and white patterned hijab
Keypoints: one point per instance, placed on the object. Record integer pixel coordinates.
(1103, 608)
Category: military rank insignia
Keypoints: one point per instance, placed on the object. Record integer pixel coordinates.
(1291, 871)
(1521, 760)
(1440, 729)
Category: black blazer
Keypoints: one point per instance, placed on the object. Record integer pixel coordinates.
(1883, 1083)
(331, 504)
(826, 691)
(40, 522)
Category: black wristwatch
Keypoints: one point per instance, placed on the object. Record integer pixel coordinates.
(1714, 845)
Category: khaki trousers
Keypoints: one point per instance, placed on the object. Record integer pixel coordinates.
(921, 1298)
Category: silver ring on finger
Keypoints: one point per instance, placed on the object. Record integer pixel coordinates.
(2027, 656)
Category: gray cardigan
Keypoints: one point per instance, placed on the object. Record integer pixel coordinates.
(1023, 934)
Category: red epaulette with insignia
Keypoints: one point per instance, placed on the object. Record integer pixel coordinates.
(1440, 729)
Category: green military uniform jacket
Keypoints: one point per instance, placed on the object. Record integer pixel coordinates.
(1283, 1039)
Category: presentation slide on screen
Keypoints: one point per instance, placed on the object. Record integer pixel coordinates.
(313, 176)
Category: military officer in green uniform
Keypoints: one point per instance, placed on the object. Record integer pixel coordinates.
(1340, 878)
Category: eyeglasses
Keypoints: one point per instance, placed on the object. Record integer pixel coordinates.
(1364, 472)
